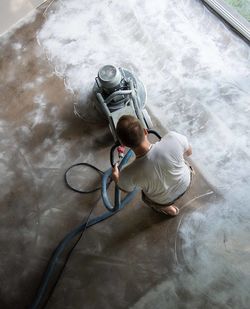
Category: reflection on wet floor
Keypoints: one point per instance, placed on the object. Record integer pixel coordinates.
(197, 84)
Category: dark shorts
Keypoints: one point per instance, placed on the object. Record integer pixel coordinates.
(157, 206)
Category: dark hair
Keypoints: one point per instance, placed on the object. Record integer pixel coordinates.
(130, 131)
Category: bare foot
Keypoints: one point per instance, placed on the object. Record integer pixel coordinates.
(170, 210)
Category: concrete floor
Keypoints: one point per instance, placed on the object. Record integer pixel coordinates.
(136, 259)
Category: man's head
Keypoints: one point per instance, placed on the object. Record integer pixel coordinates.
(130, 131)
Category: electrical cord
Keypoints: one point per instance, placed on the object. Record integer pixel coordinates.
(77, 190)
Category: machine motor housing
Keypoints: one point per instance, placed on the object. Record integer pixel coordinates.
(119, 92)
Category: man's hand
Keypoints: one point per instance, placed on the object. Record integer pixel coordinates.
(115, 173)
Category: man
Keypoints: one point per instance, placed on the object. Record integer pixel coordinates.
(159, 169)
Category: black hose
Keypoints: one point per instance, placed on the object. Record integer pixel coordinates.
(150, 131)
(81, 164)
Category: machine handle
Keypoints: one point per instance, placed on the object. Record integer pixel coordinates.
(98, 83)
(150, 131)
(116, 93)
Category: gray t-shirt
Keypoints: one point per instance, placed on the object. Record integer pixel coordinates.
(161, 173)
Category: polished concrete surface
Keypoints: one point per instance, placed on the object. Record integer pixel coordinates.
(138, 258)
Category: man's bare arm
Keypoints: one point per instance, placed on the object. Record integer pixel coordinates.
(115, 173)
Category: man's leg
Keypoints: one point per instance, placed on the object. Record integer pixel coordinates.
(169, 210)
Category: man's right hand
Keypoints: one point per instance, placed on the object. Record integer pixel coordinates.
(115, 173)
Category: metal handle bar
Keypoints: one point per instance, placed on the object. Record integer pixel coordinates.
(116, 93)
